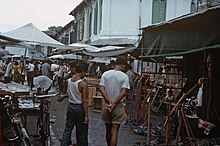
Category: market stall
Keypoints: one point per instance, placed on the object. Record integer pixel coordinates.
(187, 36)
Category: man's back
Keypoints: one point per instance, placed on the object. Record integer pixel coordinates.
(46, 69)
(114, 81)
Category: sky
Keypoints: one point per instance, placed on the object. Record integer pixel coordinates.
(42, 13)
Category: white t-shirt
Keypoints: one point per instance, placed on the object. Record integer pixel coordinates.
(114, 81)
(61, 71)
(30, 67)
(54, 67)
(8, 72)
(1, 64)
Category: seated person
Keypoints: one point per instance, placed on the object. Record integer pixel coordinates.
(42, 84)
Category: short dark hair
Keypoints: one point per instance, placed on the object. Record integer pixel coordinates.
(73, 63)
(112, 62)
(81, 67)
(121, 61)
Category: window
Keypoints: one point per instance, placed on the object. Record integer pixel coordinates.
(193, 6)
(158, 11)
(90, 22)
(100, 15)
(95, 23)
(80, 27)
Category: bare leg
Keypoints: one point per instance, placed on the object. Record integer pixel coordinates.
(114, 134)
(108, 132)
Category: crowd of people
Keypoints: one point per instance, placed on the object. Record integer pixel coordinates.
(70, 79)
(113, 87)
(24, 71)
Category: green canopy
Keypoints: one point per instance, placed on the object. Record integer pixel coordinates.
(186, 34)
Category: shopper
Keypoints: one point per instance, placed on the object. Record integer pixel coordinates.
(42, 84)
(61, 72)
(8, 72)
(113, 86)
(77, 110)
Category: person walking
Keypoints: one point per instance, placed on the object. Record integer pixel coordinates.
(45, 68)
(16, 74)
(113, 86)
(61, 72)
(77, 110)
(8, 72)
(30, 72)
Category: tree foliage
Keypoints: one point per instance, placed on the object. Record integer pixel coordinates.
(55, 28)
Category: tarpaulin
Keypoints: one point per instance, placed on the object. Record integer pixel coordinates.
(186, 34)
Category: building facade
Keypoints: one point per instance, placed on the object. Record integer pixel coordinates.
(67, 35)
(118, 22)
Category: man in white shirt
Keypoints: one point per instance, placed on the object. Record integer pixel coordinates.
(113, 86)
(199, 98)
(30, 72)
(45, 68)
(8, 72)
(1, 69)
(60, 75)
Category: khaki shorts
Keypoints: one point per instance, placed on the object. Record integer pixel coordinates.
(117, 116)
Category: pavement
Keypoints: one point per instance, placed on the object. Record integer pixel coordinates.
(96, 128)
(96, 135)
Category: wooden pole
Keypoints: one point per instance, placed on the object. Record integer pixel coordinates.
(148, 118)
(178, 130)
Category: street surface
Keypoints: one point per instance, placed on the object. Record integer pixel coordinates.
(96, 128)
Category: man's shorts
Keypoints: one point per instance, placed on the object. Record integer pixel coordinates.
(117, 116)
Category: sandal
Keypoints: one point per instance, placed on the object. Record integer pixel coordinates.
(142, 130)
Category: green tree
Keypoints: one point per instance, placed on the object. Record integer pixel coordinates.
(55, 28)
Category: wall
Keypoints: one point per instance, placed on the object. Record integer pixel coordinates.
(124, 18)
(120, 19)
(176, 8)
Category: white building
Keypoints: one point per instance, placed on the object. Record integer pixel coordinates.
(118, 22)
(67, 34)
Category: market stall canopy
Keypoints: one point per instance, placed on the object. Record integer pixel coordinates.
(86, 47)
(3, 52)
(59, 56)
(66, 56)
(31, 34)
(78, 47)
(72, 56)
(8, 41)
(6, 57)
(102, 59)
(109, 51)
(19, 50)
(186, 34)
